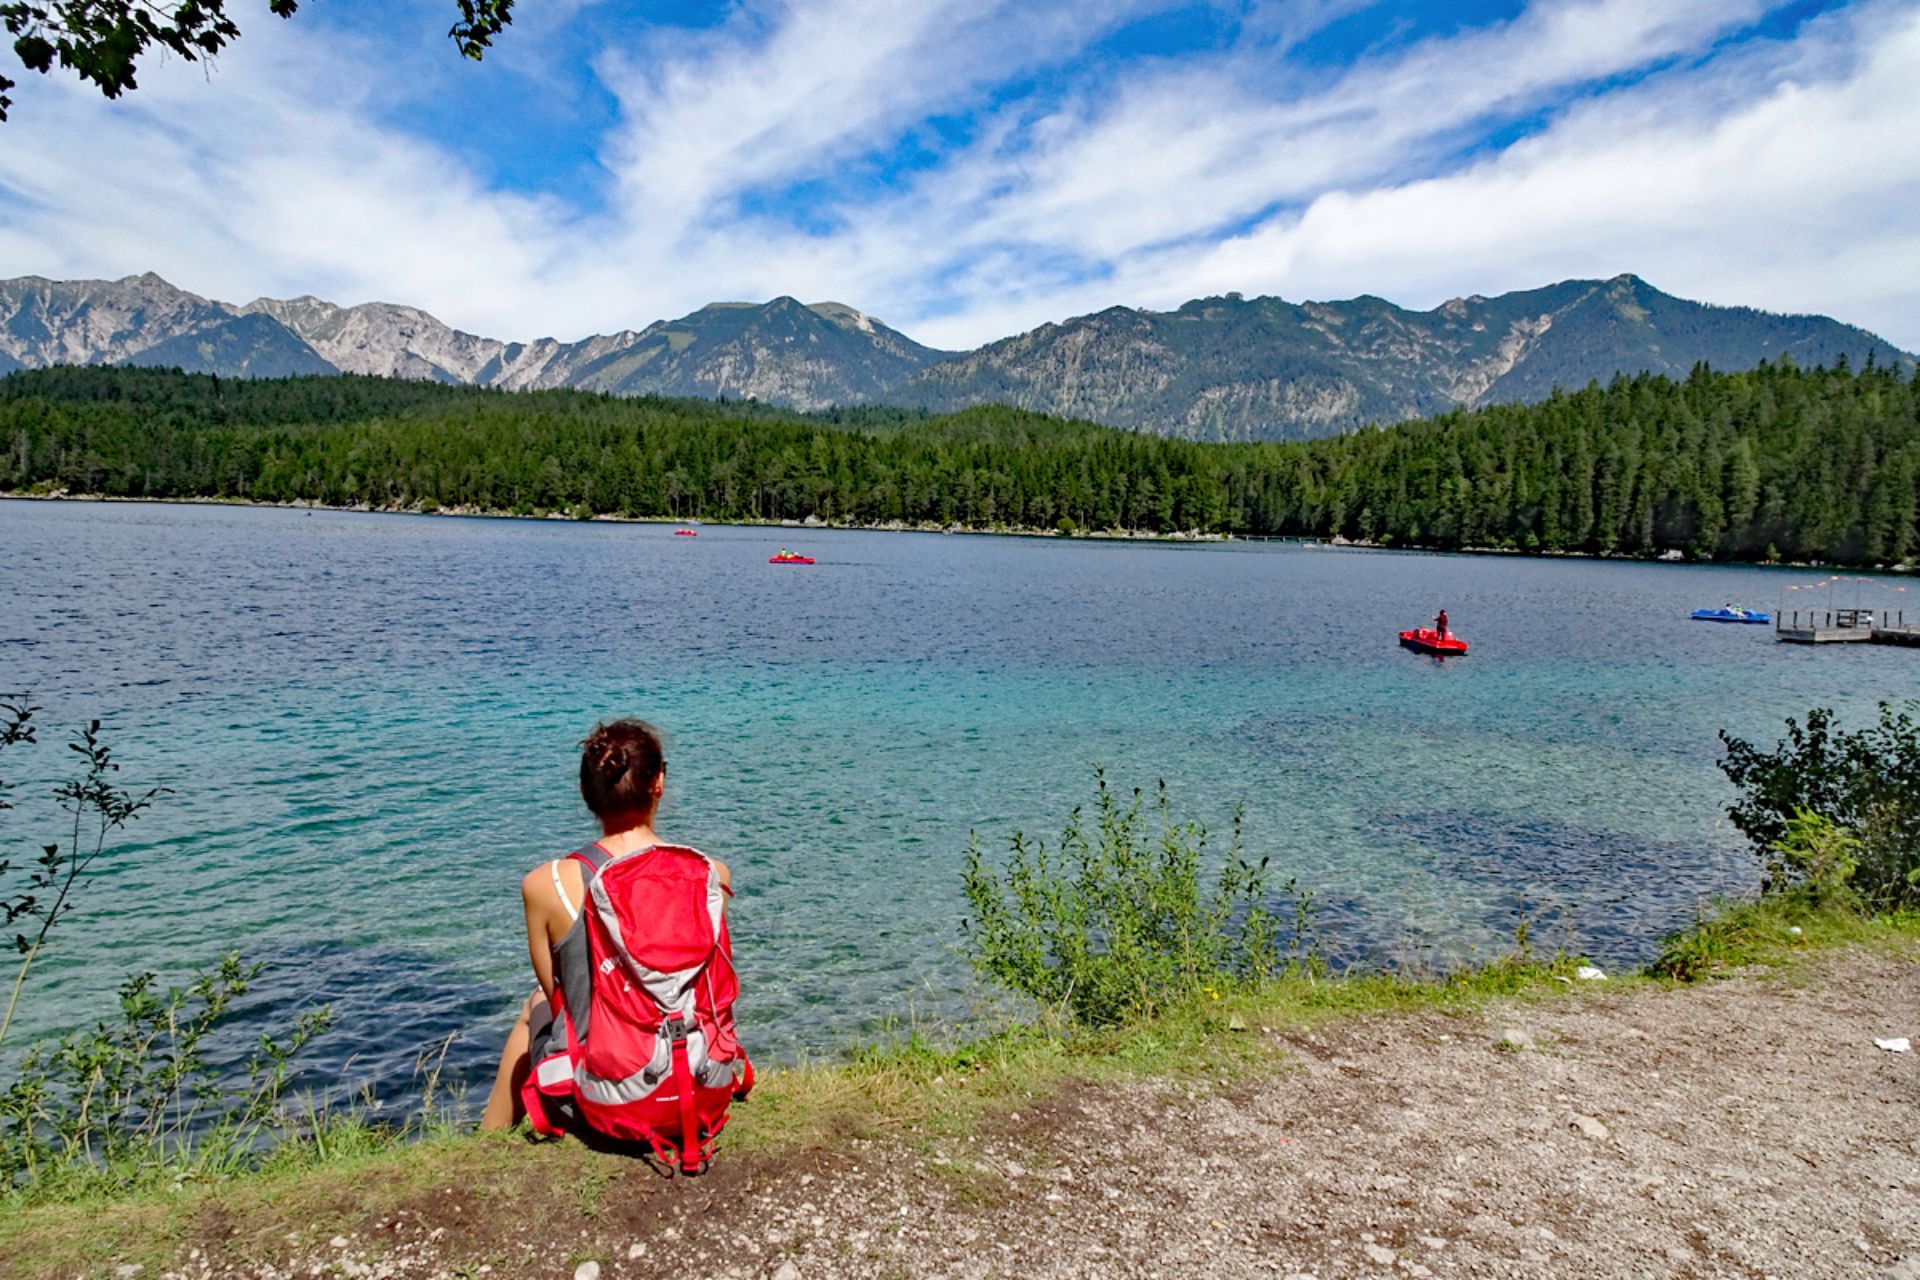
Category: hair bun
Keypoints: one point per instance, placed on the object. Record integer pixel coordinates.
(620, 767)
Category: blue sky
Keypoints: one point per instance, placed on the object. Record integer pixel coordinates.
(965, 169)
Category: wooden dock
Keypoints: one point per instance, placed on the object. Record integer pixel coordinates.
(1897, 632)
(1845, 626)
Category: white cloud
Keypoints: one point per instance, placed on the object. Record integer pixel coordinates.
(1200, 147)
(1801, 199)
(1783, 175)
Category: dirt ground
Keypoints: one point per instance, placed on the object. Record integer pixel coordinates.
(1747, 1127)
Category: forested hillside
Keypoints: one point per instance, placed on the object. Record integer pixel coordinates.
(1808, 464)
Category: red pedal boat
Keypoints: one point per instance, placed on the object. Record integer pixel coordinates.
(686, 533)
(1427, 640)
(789, 559)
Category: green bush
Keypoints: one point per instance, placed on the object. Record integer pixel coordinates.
(1818, 857)
(133, 1098)
(1114, 923)
(1864, 782)
(94, 810)
(136, 1098)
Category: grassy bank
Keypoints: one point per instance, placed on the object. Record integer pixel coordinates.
(919, 1093)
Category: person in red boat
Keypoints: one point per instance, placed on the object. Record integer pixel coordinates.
(1440, 624)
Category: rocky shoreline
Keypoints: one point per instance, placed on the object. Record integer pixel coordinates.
(900, 526)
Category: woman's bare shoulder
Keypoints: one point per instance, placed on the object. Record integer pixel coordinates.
(724, 872)
(530, 883)
(537, 884)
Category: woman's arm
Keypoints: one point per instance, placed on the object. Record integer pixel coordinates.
(537, 898)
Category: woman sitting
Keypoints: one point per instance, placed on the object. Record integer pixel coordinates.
(630, 1034)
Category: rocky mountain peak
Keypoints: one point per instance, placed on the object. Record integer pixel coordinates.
(1223, 367)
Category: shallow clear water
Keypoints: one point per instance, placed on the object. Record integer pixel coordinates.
(369, 726)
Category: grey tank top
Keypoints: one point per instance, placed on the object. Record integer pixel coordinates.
(572, 957)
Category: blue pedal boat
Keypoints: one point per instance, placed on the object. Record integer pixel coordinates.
(1730, 615)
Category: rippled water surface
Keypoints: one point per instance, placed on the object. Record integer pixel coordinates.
(368, 726)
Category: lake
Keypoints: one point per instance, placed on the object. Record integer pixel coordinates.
(369, 728)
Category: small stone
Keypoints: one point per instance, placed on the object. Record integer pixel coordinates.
(1381, 1255)
(1415, 1270)
(1793, 931)
(1589, 1126)
(1514, 1040)
(338, 1242)
(1587, 973)
(1434, 1243)
(588, 1270)
(636, 1250)
(127, 1270)
(787, 1271)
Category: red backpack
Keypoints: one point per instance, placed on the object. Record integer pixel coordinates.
(643, 1046)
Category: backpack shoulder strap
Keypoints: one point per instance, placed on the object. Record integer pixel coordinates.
(595, 858)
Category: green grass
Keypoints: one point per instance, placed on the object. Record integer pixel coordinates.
(916, 1090)
(1775, 932)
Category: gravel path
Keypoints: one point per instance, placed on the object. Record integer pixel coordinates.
(1744, 1128)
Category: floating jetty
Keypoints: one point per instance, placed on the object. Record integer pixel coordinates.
(1802, 619)
(1896, 630)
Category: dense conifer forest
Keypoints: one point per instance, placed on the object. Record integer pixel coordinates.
(1804, 464)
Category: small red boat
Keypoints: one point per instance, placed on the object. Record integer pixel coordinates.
(789, 559)
(686, 533)
(1427, 640)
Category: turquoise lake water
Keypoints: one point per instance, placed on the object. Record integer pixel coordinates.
(369, 727)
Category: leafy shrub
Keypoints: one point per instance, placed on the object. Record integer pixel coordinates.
(129, 1099)
(1865, 782)
(135, 1097)
(96, 809)
(1114, 923)
(1817, 857)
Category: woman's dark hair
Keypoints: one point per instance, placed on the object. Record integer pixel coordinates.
(619, 763)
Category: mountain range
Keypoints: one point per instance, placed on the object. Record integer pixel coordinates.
(1223, 368)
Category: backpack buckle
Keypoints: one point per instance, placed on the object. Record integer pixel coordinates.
(678, 1028)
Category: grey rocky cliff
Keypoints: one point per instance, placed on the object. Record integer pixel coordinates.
(45, 322)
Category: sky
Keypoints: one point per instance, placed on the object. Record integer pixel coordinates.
(968, 169)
